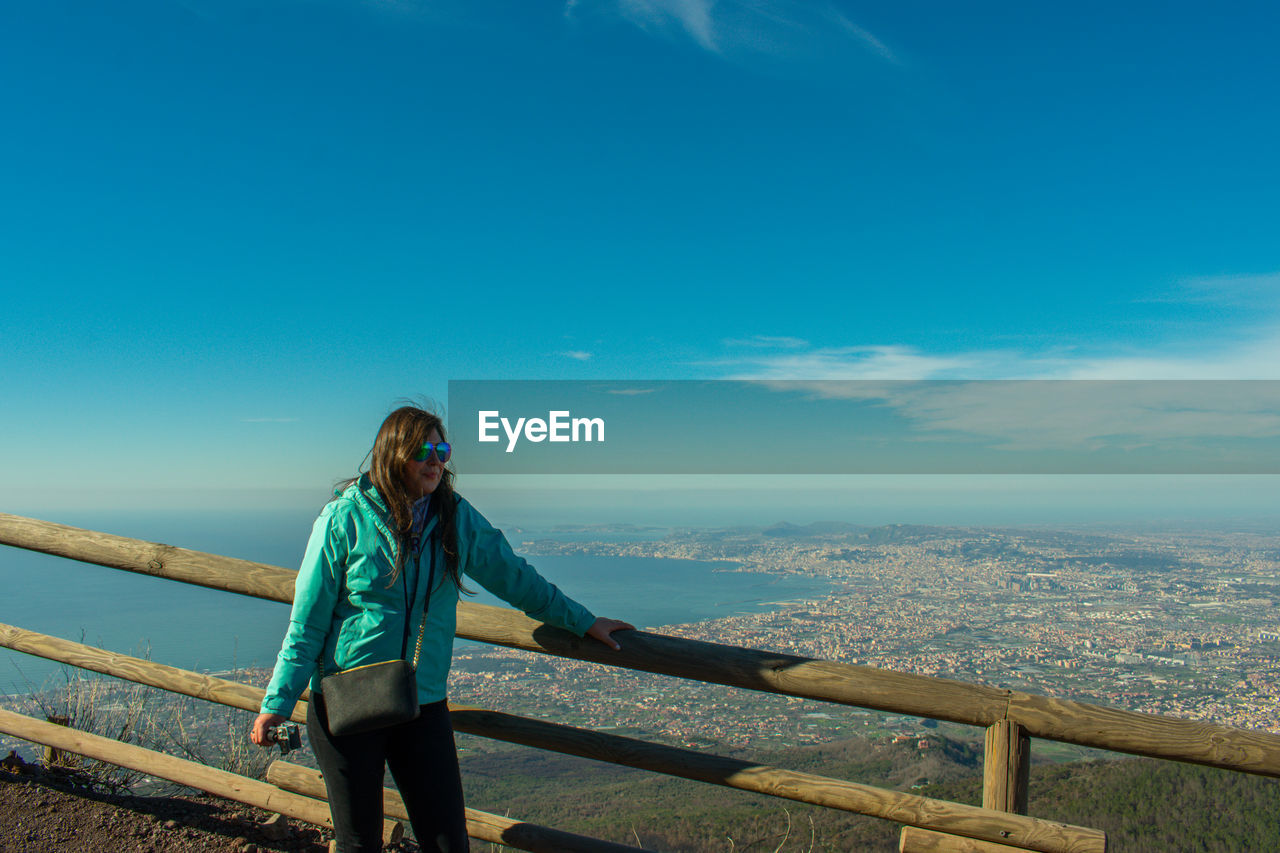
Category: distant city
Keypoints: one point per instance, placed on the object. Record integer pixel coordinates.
(1180, 624)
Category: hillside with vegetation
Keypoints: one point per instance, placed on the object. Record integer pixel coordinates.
(1143, 805)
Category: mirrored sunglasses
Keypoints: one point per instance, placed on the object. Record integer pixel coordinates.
(441, 449)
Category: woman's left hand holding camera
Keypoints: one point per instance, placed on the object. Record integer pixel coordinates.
(261, 728)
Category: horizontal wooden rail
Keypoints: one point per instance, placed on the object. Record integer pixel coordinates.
(755, 670)
(177, 770)
(944, 699)
(913, 840)
(953, 818)
(924, 696)
(148, 558)
(685, 763)
(1147, 734)
(150, 673)
(772, 672)
(245, 697)
(482, 825)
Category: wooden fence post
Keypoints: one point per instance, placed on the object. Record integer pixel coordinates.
(1006, 770)
(1005, 776)
(53, 755)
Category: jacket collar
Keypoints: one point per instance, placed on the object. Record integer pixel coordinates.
(367, 496)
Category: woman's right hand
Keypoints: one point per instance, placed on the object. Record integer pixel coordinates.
(259, 734)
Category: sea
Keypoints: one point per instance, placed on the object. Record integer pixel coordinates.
(213, 631)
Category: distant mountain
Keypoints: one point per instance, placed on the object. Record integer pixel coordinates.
(818, 529)
(857, 533)
(905, 533)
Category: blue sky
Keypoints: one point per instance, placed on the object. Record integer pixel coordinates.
(234, 233)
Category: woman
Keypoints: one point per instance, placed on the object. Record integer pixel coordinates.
(392, 542)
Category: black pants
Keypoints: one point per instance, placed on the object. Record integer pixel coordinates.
(424, 763)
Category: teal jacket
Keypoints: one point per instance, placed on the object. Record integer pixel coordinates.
(344, 609)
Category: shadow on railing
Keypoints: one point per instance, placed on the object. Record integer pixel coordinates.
(1011, 718)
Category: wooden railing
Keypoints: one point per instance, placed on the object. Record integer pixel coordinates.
(1011, 718)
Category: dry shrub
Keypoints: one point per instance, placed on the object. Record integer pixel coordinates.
(200, 731)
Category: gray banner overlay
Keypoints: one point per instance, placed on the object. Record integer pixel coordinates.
(866, 427)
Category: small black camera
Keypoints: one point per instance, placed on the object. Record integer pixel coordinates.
(287, 735)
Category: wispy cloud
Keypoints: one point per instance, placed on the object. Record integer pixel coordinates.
(1241, 291)
(852, 362)
(1239, 352)
(1084, 414)
(691, 16)
(871, 42)
(577, 354)
(776, 28)
(1251, 359)
(767, 341)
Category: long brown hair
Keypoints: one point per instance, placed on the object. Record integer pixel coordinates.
(399, 439)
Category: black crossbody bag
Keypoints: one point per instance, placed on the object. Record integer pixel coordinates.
(377, 695)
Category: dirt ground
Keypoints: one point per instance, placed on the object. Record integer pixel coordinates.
(49, 811)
